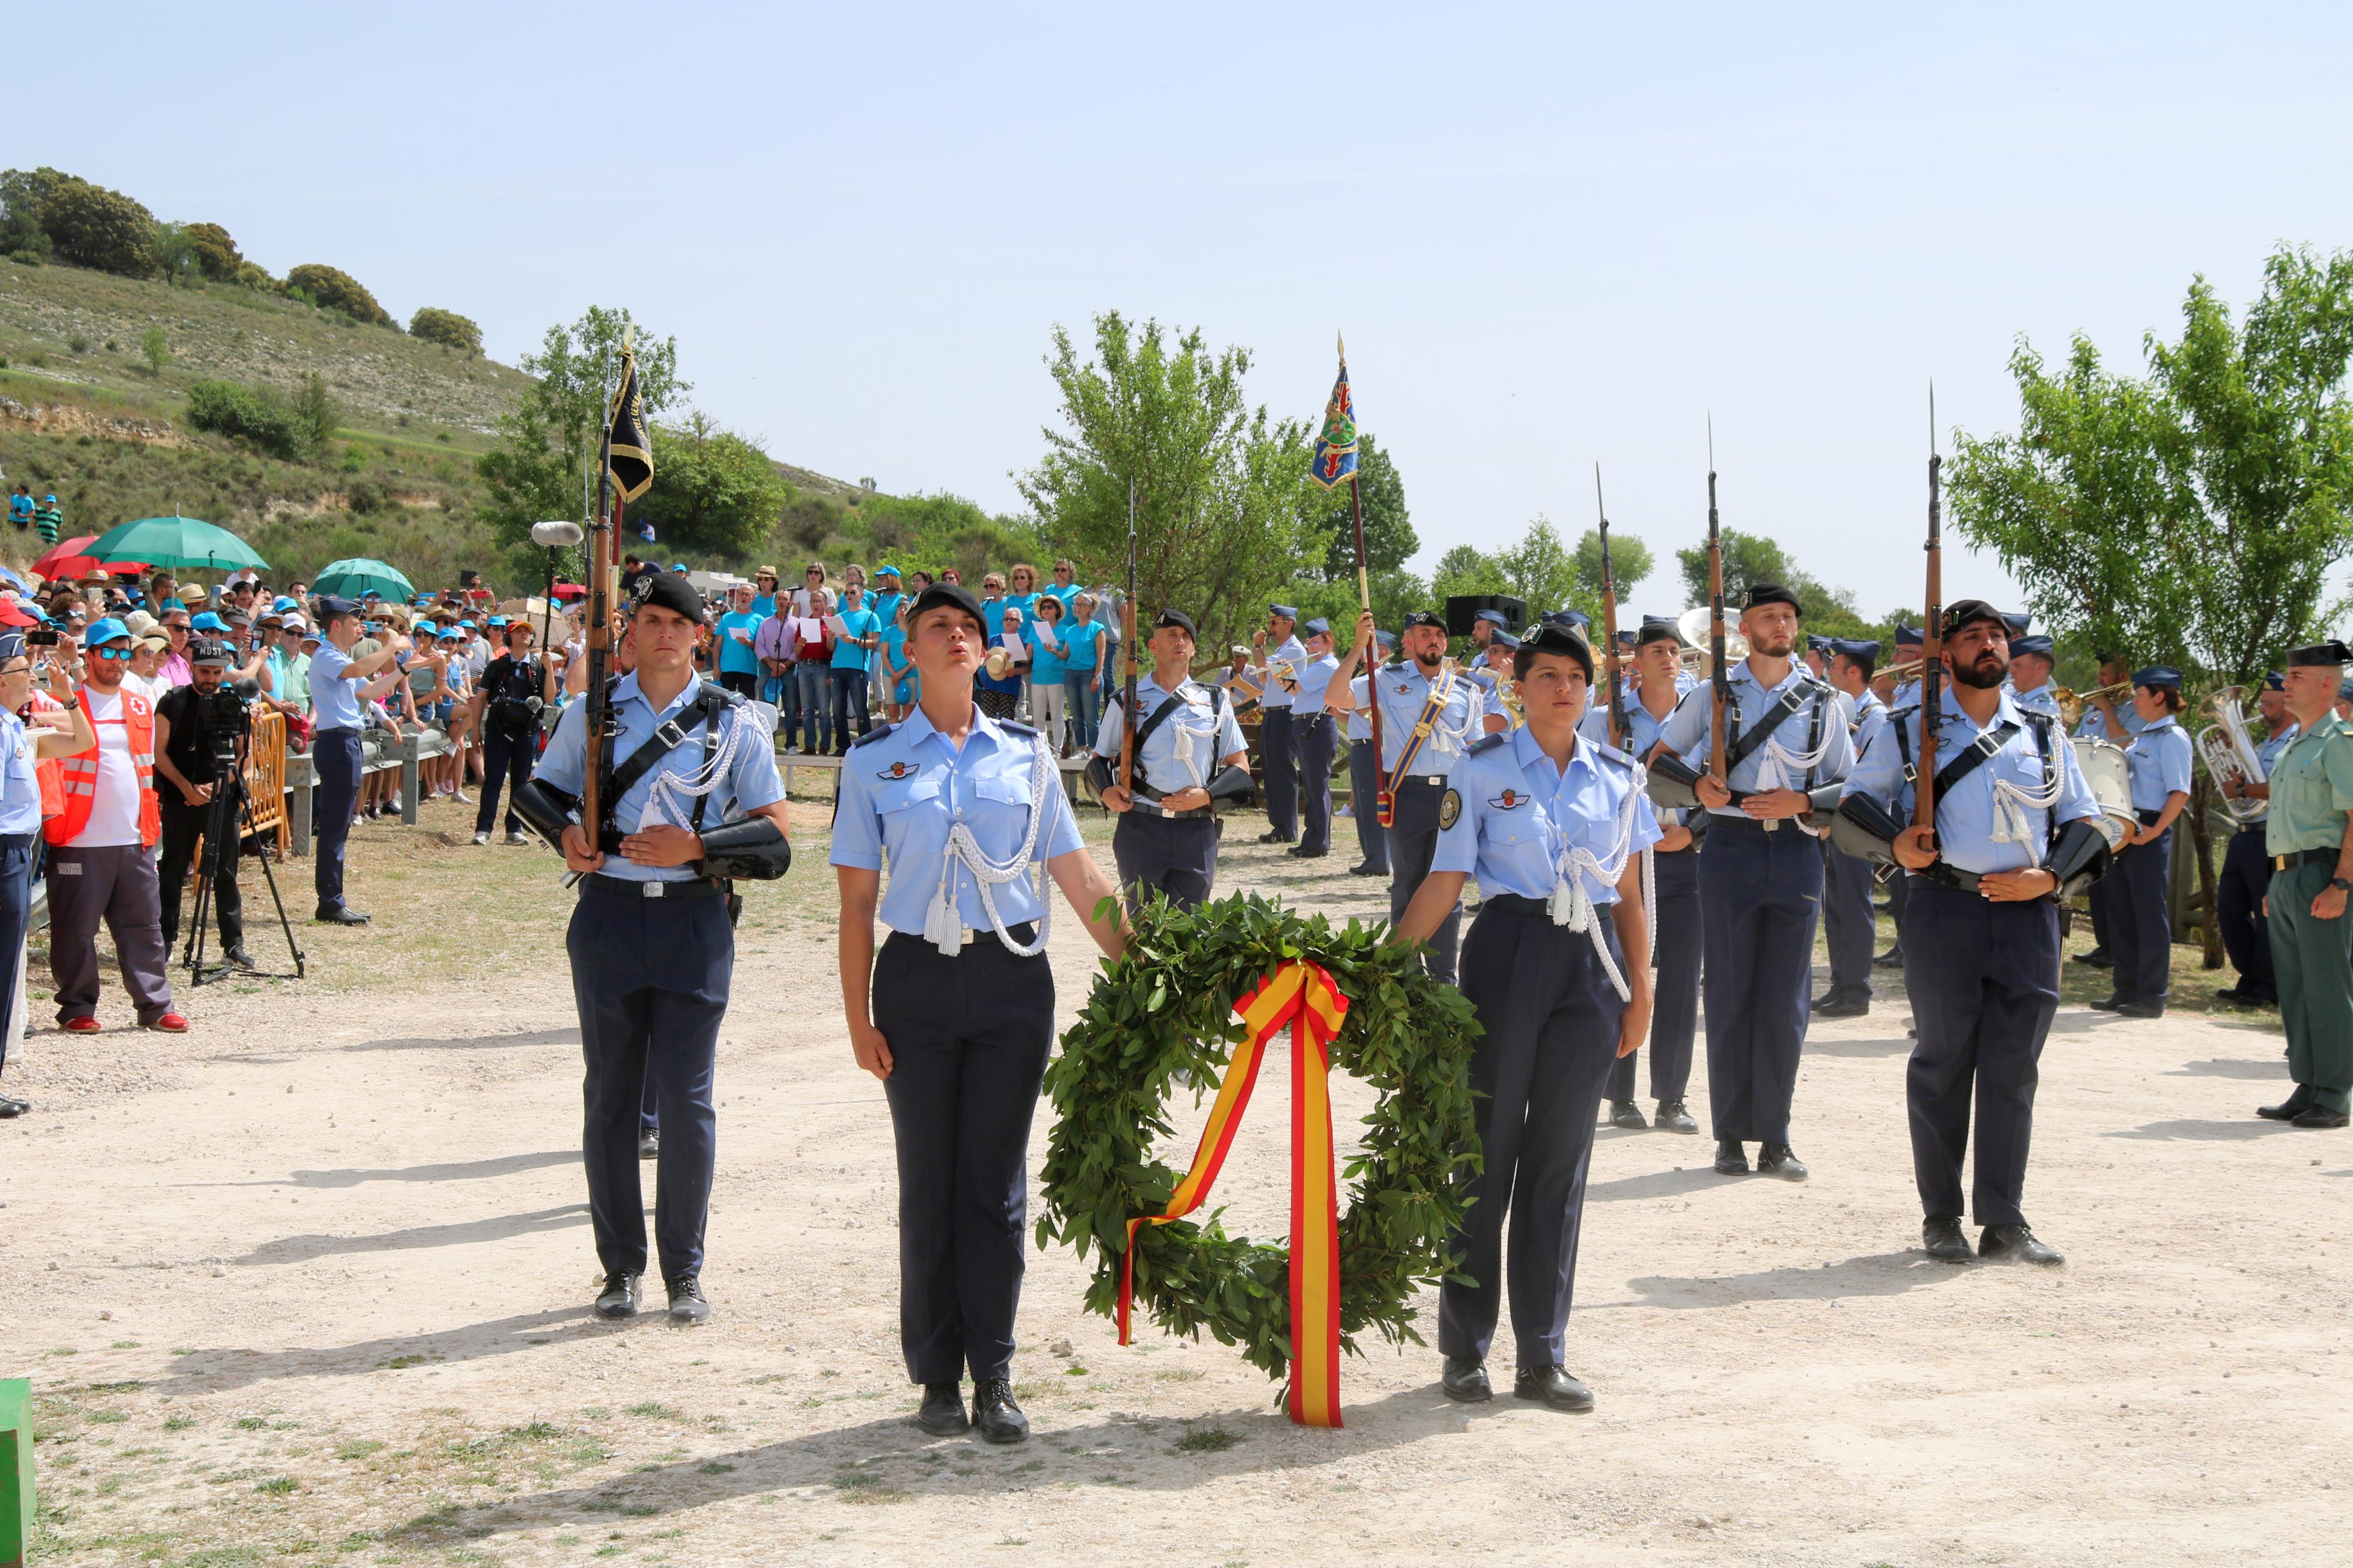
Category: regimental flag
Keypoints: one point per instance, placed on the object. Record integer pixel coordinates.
(1335, 448)
(629, 456)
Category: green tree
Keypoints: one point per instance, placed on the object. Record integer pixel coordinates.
(1390, 541)
(89, 226)
(1219, 488)
(2193, 515)
(1747, 558)
(22, 193)
(1629, 564)
(715, 492)
(339, 291)
(447, 327)
(315, 412)
(544, 464)
(215, 253)
(157, 348)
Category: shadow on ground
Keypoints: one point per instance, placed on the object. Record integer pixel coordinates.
(498, 1227)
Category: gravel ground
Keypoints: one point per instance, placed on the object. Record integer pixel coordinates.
(407, 1371)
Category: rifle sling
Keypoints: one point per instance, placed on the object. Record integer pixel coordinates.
(1738, 749)
(667, 736)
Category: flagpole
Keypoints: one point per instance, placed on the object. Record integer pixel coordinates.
(1384, 799)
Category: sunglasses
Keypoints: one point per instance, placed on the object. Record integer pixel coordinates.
(113, 652)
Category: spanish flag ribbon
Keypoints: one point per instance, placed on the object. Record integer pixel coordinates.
(1303, 996)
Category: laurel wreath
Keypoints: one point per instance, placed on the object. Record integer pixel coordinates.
(1163, 1014)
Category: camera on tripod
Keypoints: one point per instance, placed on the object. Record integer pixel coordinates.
(223, 721)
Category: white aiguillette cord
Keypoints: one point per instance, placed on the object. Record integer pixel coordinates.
(666, 801)
(942, 929)
(1573, 907)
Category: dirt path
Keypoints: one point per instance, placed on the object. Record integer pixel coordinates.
(310, 1286)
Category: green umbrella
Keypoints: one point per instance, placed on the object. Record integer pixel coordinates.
(177, 541)
(359, 575)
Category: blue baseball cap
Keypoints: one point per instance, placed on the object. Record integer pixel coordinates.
(470, 625)
(173, 604)
(495, 620)
(886, 571)
(283, 603)
(208, 622)
(448, 632)
(105, 630)
(678, 565)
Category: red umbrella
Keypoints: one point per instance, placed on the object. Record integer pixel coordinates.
(65, 558)
(562, 590)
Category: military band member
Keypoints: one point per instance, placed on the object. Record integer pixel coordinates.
(1675, 860)
(1982, 968)
(1554, 827)
(2312, 869)
(2105, 718)
(1849, 929)
(2140, 924)
(1818, 658)
(1363, 773)
(1429, 715)
(1187, 736)
(1278, 659)
(652, 949)
(1503, 648)
(1761, 876)
(957, 1013)
(1904, 693)
(2246, 864)
(2030, 665)
(1317, 737)
(1909, 647)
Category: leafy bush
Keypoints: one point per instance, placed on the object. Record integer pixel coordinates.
(216, 252)
(447, 327)
(337, 291)
(89, 226)
(249, 414)
(22, 192)
(157, 348)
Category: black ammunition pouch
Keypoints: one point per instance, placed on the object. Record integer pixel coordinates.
(1824, 800)
(1867, 830)
(1672, 782)
(1234, 784)
(2080, 857)
(751, 848)
(546, 811)
(1100, 775)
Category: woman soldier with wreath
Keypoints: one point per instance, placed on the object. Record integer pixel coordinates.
(962, 999)
(1556, 966)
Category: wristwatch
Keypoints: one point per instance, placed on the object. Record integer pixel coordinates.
(2340, 884)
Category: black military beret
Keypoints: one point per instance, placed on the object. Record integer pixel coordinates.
(1178, 619)
(1424, 618)
(671, 591)
(949, 595)
(1658, 629)
(1772, 594)
(2320, 652)
(1555, 636)
(1968, 612)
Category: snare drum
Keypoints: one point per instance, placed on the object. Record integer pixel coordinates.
(2104, 769)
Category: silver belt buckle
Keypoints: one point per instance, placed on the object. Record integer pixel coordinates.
(1772, 824)
(970, 936)
(652, 891)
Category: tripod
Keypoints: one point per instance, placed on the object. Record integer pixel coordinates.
(230, 817)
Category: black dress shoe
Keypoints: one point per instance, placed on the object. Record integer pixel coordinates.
(2097, 958)
(1779, 1160)
(2140, 1009)
(340, 918)
(993, 1411)
(1465, 1380)
(688, 1304)
(236, 955)
(2106, 1004)
(2318, 1116)
(1892, 959)
(1305, 852)
(619, 1297)
(1275, 837)
(11, 1106)
(2015, 1244)
(943, 1413)
(1836, 1006)
(1553, 1387)
(2231, 994)
(1673, 1118)
(1941, 1238)
(1731, 1159)
(1627, 1114)
(2287, 1110)
(650, 1144)
(1362, 869)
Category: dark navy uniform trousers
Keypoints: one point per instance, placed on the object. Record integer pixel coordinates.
(1984, 982)
(1551, 1019)
(1319, 743)
(968, 1038)
(1278, 753)
(335, 763)
(650, 977)
(1760, 897)
(1674, 1010)
(1364, 804)
(2140, 926)
(1847, 928)
(2246, 877)
(1413, 845)
(1174, 855)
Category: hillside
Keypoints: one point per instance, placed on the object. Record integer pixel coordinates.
(83, 414)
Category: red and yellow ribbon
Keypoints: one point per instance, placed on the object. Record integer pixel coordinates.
(1303, 996)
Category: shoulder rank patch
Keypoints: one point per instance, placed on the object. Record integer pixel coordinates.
(1609, 753)
(1013, 728)
(1489, 743)
(1510, 800)
(1449, 808)
(872, 736)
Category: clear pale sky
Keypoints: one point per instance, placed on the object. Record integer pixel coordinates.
(1552, 234)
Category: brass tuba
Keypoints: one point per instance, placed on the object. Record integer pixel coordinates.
(2229, 755)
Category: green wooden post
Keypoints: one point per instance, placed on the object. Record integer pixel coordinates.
(16, 1471)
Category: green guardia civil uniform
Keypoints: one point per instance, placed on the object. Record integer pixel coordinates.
(2312, 790)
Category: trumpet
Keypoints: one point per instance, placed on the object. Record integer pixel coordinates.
(2071, 703)
(2228, 753)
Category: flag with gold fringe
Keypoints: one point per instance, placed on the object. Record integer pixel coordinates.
(1335, 448)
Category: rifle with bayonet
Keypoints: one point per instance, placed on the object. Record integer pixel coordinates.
(1932, 645)
(1619, 725)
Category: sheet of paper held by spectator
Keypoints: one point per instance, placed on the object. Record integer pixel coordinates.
(1046, 637)
(836, 625)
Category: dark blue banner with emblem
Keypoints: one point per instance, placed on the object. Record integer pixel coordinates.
(1335, 448)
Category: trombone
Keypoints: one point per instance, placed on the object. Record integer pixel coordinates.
(2071, 703)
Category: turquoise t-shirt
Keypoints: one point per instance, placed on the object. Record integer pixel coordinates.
(737, 657)
(860, 623)
(885, 606)
(1082, 647)
(992, 612)
(1045, 663)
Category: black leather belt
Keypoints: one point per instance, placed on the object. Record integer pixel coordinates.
(631, 888)
(1435, 781)
(1024, 934)
(2296, 858)
(1516, 904)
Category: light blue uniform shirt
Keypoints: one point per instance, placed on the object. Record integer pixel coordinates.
(1185, 751)
(21, 784)
(1966, 817)
(751, 784)
(2039, 701)
(1315, 683)
(1690, 731)
(334, 701)
(2096, 723)
(1642, 733)
(1292, 653)
(2158, 758)
(904, 787)
(2268, 751)
(1360, 719)
(1518, 815)
(1402, 691)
